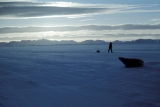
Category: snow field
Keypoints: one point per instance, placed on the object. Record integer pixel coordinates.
(77, 76)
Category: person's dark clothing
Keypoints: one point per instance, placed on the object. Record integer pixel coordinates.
(110, 47)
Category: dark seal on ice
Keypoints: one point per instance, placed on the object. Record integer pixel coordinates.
(132, 62)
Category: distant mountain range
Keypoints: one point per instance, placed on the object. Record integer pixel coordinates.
(70, 42)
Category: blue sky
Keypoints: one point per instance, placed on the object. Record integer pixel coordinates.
(79, 20)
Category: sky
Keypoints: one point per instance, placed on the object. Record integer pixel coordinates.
(79, 20)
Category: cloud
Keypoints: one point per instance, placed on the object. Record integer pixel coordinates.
(155, 20)
(81, 36)
(124, 27)
(83, 32)
(20, 10)
(15, 0)
(28, 9)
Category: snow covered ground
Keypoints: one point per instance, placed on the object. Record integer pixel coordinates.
(77, 76)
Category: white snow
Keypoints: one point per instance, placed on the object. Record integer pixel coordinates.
(78, 76)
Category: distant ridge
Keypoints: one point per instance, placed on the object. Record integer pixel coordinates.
(43, 42)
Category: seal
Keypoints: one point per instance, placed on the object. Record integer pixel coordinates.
(132, 62)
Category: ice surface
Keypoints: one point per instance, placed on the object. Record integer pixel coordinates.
(78, 76)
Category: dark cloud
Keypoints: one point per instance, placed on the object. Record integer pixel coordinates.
(64, 9)
(38, 11)
(34, 9)
(77, 28)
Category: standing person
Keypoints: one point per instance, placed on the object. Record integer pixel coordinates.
(110, 47)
